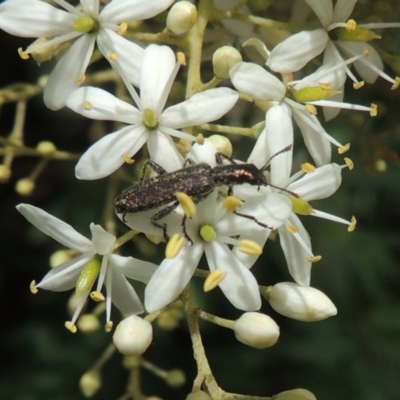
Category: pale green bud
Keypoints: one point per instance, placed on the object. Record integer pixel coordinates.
(295, 394)
(224, 59)
(181, 17)
(199, 395)
(176, 378)
(90, 383)
(25, 186)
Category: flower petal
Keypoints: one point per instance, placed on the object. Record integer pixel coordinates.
(239, 286)
(118, 11)
(171, 277)
(323, 10)
(295, 52)
(33, 18)
(91, 7)
(63, 79)
(255, 81)
(101, 239)
(55, 228)
(133, 268)
(201, 108)
(342, 10)
(105, 156)
(130, 54)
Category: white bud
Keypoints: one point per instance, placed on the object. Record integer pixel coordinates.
(300, 302)
(90, 383)
(199, 395)
(224, 59)
(181, 17)
(133, 335)
(256, 330)
(295, 394)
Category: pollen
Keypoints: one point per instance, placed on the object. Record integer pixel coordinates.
(108, 326)
(351, 25)
(208, 233)
(213, 280)
(127, 159)
(97, 296)
(250, 247)
(358, 85)
(314, 259)
(325, 86)
(349, 163)
(174, 246)
(22, 54)
(33, 287)
(71, 327)
(232, 203)
(344, 149)
(200, 138)
(87, 105)
(307, 167)
(311, 109)
(374, 110)
(113, 57)
(123, 27)
(181, 58)
(187, 204)
(353, 224)
(291, 228)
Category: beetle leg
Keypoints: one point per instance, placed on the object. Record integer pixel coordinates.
(161, 214)
(154, 166)
(219, 157)
(253, 219)
(188, 161)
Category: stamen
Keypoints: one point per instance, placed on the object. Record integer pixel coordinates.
(358, 85)
(353, 224)
(396, 83)
(344, 149)
(71, 327)
(374, 110)
(213, 280)
(81, 79)
(181, 58)
(314, 259)
(250, 247)
(311, 109)
(33, 287)
(349, 163)
(232, 203)
(123, 27)
(113, 57)
(108, 326)
(174, 246)
(22, 54)
(307, 167)
(208, 233)
(200, 138)
(97, 296)
(351, 25)
(87, 105)
(187, 204)
(127, 159)
(291, 228)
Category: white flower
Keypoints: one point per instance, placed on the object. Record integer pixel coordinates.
(258, 83)
(147, 123)
(113, 272)
(211, 231)
(86, 26)
(296, 51)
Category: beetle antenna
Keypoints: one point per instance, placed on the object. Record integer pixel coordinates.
(284, 150)
(285, 190)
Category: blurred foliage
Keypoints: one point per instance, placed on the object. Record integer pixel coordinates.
(355, 355)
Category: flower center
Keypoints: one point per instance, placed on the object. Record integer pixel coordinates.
(87, 277)
(208, 233)
(150, 118)
(86, 25)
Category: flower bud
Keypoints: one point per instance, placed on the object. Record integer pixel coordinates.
(224, 59)
(133, 335)
(176, 378)
(88, 323)
(46, 148)
(295, 394)
(256, 330)
(222, 144)
(90, 383)
(5, 173)
(300, 302)
(25, 186)
(181, 17)
(199, 395)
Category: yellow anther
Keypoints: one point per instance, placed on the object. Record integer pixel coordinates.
(208, 233)
(367, 52)
(186, 203)
(311, 109)
(307, 167)
(150, 118)
(113, 57)
(127, 159)
(123, 27)
(396, 83)
(291, 228)
(351, 25)
(300, 206)
(374, 110)
(200, 138)
(213, 280)
(250, 247)
(33, 287)
(353, 224)
(87, 105)
(344, 149)
(349, 163)
(232, 203)
(314, 259)
(87, 277)
(325, 86)
(97, 296)
(70, 326)
(22, 54)
(108, 326)
(181, 58)
(81, 79)
(358, 85)
(174, 246)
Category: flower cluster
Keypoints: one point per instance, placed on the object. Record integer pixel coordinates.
(202, 201)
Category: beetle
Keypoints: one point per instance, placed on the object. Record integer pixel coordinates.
(195, 180)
